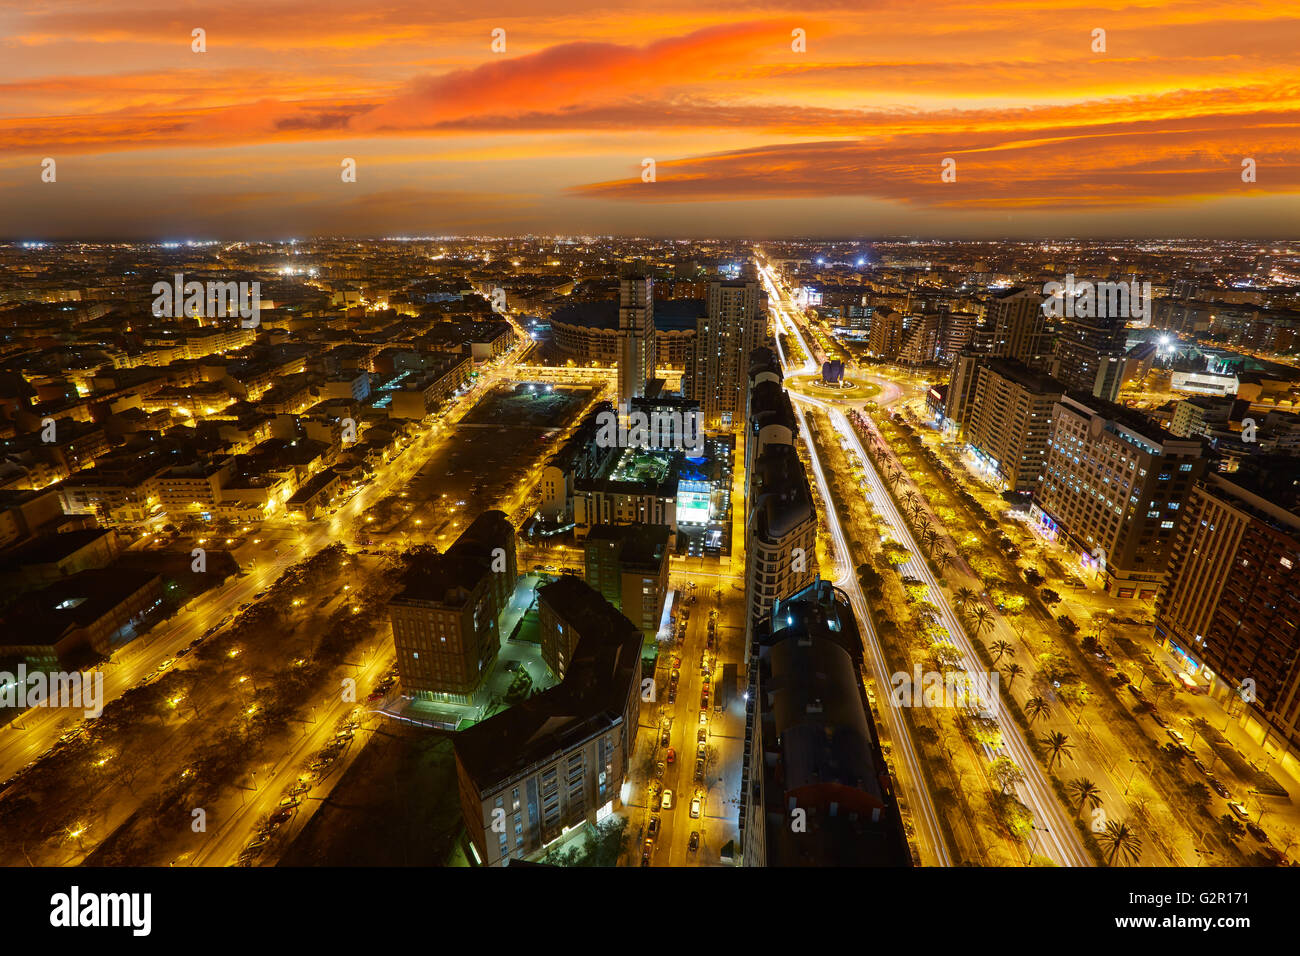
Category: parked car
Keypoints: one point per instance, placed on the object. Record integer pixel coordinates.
(652, 831)
(1239, 810)
(663, 739)
(645, 853)
(667, 803)
(659, 769)
(695, 808)
(1217, 786)
(695, 841)
(672, 755)
(1255, 830)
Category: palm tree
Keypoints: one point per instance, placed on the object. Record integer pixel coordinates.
(1058, 745)
(1036, 707)
(1118, 839)
(1086, 792)
(944, 560)
(981, 619)
(1013, 671)
(963, 597)
(1002, 647)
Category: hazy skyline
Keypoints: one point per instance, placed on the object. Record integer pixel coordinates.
(749, 137)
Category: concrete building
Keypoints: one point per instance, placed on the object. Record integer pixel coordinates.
(1112, 489)
(734, 325)
(1197, 417)
(1231, 612)
(1019, 327)
(780, 533)
(556, 760)
(445, 619)
(628, 566)
(1010, 419)
(636, 334)
(811, 744)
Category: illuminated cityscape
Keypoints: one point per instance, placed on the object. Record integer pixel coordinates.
(647, 448)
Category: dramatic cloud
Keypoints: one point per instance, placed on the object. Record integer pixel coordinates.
(152, 138)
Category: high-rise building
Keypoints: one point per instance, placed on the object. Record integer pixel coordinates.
(1090, 353)
(1010, 418)
(919, 343)
(1019, 327)
(1231, 612)
(735, 323)
(886, 334)
(557, 759)
(636, 334)
(961, 388)
(1113, 487)
(811, 744)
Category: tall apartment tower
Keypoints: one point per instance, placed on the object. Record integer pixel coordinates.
(1231, 613)
(1090, 354)
(734, 324)
(636, 334)
(1010, 417)
(1113, 487)
(1019, 327)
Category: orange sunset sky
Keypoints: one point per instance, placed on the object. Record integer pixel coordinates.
(749, 137)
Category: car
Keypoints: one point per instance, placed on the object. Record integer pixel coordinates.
(667, 802)
(299, 788)
(1133, 689)
(1199, 764)
(1176, 737)
(659, 769)
(677, 663)
(704, 717)
(652, 831)
(167, 663)
(1255, 830)
(290, 801)
(672, 695)
(663, 739)
(282, 815)
(374, 696)
(645, 853)
(1155, 715)
(695, 841)
(695, 808)
(1239, 810)
(675, 675)
(344, 734)
(245, 606)
(702, 735)
(699, 769)
(672, 755)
